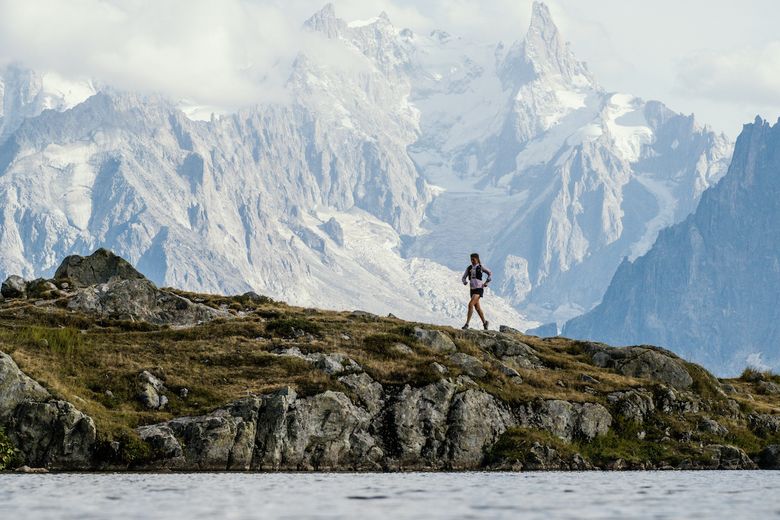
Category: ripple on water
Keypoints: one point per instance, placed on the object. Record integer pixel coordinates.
(741, 494)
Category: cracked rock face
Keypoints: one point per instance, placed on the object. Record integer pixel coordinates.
(14, 287)
(49, 432)
(97, 268)
(645, 362)
(435, 339)
(140, 299)
(567, 421)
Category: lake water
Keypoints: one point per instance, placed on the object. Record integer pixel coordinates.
(657, 495)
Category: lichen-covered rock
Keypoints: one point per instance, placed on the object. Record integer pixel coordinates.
(506, 348)
(476, 420)
(769, 458)
(368, 391)
(469, 364)
(669, 400)
(333, 363)
(14, 287)
(764, 424)
(643, 362)
(97, 268)
(633, 405)
(419, 417)
(435, 339)
(221, 440)
(728, 457)
(713, 427)
(140, 299)
(768, 388)
(166, 451)
(53, 434)
(150, 391)
(40, 288)
(322, 432)
(565, 420)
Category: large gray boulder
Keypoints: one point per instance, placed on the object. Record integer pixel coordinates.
(633, 405)
(97, 268)
(48, 432)
(140, 299)
(221, 440)
(14, 287)
(642, 362)
(323, 432)
(727, 457)
(567, 421)
(470, 365)
(53, 434)
(419, 417)
(435, 339)
(476, 420)
(150, 391)
(511, 351)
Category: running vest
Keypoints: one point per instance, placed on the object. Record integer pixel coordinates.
(475, 273)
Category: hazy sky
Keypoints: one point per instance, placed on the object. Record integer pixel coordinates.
(718, 59)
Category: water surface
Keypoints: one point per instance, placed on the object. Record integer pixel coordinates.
(656, 495)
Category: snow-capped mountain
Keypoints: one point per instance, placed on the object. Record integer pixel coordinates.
(396, 156)
(708, 287)
(555, 178)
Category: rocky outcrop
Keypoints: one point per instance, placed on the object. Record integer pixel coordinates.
(764, 424)
(470, 365)
(567, 421)
(14, 287)
(150, 391)
(513, 352)
(48, 432)
(332, 364)
(98, 268)
(434, 339)
(643, 362)
(769, 458)
(633, 405)
(140, 299)
(727, 457)
(475, 421)
(323, 432)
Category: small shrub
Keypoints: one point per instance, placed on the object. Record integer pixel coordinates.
(382, 345)
(9, 455)
(292, 327)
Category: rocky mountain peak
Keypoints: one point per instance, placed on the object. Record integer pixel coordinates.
(546, 50)
(325, 21)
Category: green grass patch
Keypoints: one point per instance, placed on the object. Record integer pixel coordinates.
(65, 341)
(292, 327)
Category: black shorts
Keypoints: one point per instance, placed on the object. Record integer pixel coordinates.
(480, 292)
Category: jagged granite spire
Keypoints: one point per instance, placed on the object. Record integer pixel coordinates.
(325, 21)
(547, 52)
(708, 287)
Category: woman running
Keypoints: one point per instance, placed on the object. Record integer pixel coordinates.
(474, 274)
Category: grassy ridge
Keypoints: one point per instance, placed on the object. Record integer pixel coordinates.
(94, 364)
